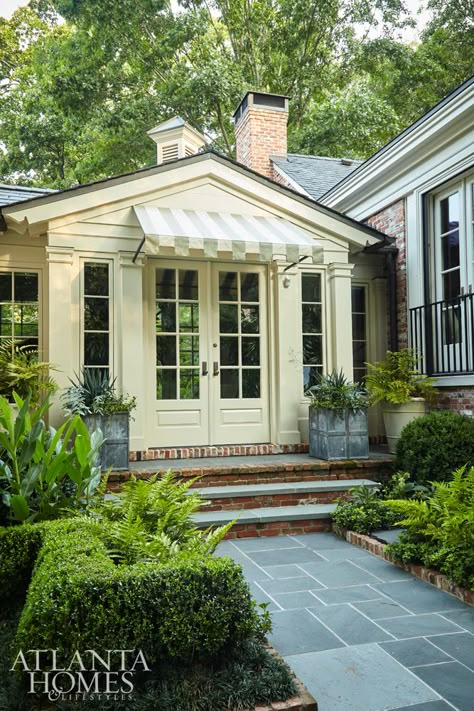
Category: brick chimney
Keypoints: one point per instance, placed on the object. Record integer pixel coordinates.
(260, 130)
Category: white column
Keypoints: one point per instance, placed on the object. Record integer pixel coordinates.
(63, 323)
(287, 356)
(339, 277)
(130, 340)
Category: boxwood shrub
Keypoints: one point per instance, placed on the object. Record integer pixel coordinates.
(19, 547)
(78, 599)
(432, 446)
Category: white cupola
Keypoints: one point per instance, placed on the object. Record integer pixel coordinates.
(175, 138)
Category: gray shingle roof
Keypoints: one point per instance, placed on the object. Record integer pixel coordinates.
(16, 193)
(315, 174)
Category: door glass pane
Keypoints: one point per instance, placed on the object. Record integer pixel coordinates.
(452, 284)
(312, 350)
(26, 320)
(228, 282)
(165, 284)
(96, 314)
(189, 317)
(189, 384)
(189, 350)
(26, 287)
(311, 288)
(166, 350)
(188, 284)
(450, 250)
(450, 213)
(249, 316)
(229, 350)
(249, 287)
(6, 316)
(230, 383)
(250, 351)
(310, 375)
(166, 317)
(251, 382)
(165, 384)
(228, 318)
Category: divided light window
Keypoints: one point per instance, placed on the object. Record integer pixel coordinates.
(312, 328)
(96, 316)
(19, 308)
(359, 332)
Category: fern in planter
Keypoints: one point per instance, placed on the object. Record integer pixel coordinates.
(396, 379)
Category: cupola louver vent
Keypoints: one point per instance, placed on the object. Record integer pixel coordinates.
(169, 153)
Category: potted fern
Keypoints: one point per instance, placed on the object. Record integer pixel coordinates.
(22, 372)
(338, 418)
(396, 382)
(93, 396)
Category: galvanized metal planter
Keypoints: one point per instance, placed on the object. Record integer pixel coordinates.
(115, 428)
(338, 434)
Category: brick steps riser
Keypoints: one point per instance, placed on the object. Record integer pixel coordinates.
(253, 502)
(277, 528)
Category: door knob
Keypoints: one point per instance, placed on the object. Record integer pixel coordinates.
(216, 368)
(204, 370)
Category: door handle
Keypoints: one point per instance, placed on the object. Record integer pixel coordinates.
(216, 368)
(204, 370)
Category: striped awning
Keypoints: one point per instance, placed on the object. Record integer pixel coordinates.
(173, 231)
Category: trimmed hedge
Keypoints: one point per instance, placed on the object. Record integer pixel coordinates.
(431, 447)
(79, 599)
(19, 548)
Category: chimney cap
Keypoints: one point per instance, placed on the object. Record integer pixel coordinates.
(261, 99)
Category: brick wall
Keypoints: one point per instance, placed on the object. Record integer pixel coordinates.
(460, 399)
(391, 221)
(260, 133)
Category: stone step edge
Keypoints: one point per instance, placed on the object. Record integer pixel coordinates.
(265, 515)
(235, 491)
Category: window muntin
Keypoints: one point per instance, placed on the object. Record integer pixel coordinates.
(359, 332)
(96, 316)
(19, 307)
(312, 328)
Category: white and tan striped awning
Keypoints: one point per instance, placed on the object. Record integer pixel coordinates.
(215, 234)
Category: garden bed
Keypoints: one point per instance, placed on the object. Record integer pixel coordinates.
(428, 575)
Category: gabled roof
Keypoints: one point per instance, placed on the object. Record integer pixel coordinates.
(315, 174)
(39, 200)
(10, 194)
(175, 122)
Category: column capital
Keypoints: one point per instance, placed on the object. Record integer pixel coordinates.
(340, 270)
(60, 255)
(126, 260)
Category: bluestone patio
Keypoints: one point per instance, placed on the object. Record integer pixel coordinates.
(362, 634)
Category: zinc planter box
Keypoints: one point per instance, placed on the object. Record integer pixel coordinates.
(338, 434)
(115, 428)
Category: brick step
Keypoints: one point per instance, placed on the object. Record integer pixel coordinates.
(231, 474)
(269, 521)
(251, 496)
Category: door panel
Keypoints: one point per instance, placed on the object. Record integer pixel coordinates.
(239, 382)
(181, 395)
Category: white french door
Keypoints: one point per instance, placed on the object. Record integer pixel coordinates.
(210, 351)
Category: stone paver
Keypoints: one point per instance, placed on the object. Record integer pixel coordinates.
(361, 634)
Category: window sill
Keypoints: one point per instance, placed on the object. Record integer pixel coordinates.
(454, 381)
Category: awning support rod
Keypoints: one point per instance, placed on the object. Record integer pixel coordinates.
(135, 256)
(290, 266)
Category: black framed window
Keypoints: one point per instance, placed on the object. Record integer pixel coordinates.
(96, 316)
(19, 308)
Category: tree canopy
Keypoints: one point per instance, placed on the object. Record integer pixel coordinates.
(82, 80)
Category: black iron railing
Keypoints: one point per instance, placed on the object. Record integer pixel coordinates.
(442, 335)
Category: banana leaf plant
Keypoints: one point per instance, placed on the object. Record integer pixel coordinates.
(44, 472)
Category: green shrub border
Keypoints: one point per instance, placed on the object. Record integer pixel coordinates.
(78, 598)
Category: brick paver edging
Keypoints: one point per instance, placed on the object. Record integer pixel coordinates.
(303, 702)
(428, 575)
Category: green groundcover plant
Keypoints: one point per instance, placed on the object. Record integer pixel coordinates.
(440, 529)
(364, 512)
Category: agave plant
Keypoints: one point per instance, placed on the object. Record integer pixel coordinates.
(93, 393)
(334, 392)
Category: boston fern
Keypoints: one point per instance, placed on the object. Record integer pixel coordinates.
(396, 379)
(335, 392)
